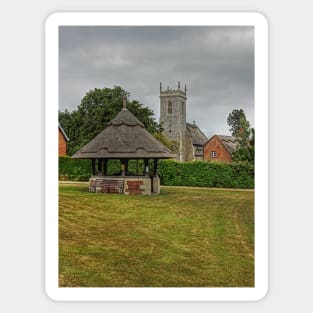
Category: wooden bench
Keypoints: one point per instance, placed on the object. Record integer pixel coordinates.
(110, 185)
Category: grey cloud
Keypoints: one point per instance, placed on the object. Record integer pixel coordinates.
(216, 63)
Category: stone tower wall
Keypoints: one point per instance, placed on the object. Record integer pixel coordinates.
(174, 121)
(189, 153)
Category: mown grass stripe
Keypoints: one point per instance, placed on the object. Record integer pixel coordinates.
(183, 237)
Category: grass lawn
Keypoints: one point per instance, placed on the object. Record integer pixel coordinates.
(184, 237)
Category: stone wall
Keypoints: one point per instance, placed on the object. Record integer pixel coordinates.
(137, 186)
(189, 151)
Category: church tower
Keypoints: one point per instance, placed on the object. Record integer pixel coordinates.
(173, 116)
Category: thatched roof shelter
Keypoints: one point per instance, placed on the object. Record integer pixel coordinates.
(125, 137)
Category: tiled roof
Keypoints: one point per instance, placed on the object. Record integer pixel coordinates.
(229, 142)
(63, 132)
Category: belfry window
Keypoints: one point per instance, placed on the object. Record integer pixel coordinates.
(169, 107)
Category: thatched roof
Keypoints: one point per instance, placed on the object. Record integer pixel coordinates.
(198, 137)
(124, 137)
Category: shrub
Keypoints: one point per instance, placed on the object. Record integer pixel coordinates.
(207, 174)
(74, 169)
(172, 173)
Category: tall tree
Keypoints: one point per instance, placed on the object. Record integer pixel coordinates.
(239, 126)
(244, 154)
(171, 144)
(252, 137)
(96, 109)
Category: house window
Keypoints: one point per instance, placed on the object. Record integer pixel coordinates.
(169, 131)
(213, 154)
(169, 107)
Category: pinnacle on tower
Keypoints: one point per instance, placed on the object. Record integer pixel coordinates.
(124, 102)
(160, 86)
(178, 85)
(185, 88)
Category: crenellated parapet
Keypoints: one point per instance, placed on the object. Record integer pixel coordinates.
(173, 92)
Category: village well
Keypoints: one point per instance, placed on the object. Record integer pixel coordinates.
(125, 138)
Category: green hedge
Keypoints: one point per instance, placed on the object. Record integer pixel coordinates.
(207, 174)
(74, 169)
(172, 173)
(80, 170)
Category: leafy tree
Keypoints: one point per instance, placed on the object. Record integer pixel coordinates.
(252, 137)
(171, 144)
(96, 109)
(239, 126)
(244, 154)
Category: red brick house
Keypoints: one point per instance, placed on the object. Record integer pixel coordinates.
(220, 148)
(63, 139)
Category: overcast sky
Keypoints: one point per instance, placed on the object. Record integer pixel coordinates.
(216, 64)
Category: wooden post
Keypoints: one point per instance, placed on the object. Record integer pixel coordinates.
(93, 166)
(104, 167)
(126, 167)
(99, 167)
(155, 169)
(122, 167)
(146, 167)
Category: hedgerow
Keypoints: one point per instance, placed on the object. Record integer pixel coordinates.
(172, 173)
(207, 174)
